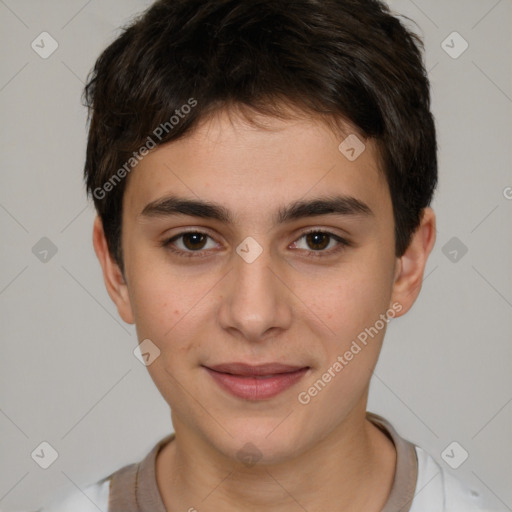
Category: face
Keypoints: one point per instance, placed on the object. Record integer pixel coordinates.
(261, 263)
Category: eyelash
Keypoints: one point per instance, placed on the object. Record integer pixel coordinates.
(342, 244)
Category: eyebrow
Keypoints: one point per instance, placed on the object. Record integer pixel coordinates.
(337, 205)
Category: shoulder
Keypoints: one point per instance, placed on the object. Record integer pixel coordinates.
(91, 499)
(438, 488)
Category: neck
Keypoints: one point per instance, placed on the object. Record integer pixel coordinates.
(351, 469)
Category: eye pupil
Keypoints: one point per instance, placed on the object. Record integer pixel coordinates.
(317, 241)
(194, 240)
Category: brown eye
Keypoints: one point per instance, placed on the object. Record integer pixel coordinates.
(191, 243)
(194, 241)
(318, 241)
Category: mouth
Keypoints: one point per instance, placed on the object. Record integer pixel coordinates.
(256, 382)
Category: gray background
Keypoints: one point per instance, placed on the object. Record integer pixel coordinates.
(68, 375)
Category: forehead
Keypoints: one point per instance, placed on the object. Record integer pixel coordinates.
(259, 166)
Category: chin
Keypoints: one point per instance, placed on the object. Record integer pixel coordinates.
(263, 441)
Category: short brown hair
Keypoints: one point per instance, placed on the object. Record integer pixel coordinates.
(348, 60)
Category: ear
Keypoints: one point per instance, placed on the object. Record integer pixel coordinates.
(411, 265)
(112, 275)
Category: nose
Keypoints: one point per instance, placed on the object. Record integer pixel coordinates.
(256, 303)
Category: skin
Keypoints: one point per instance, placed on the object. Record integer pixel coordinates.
(284, 307)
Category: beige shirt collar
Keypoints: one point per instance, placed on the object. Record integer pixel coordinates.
(134, 487)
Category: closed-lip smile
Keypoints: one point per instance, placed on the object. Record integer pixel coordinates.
(255, 382)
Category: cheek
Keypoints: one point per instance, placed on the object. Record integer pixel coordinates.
(170, 310)
(353, 310)
(159, 295)
(360, 295)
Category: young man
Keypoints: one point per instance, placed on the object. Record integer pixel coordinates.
(262, 172)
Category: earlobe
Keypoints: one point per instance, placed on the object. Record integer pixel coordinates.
(112, 275)
(411, 265)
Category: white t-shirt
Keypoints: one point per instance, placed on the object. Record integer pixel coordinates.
(420, 485)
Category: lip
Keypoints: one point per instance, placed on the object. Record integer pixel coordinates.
(256, 382)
